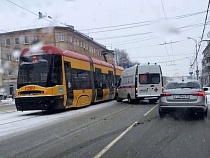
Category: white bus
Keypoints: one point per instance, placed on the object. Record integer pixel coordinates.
(140, 82)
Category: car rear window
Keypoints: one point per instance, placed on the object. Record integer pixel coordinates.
(175, 85)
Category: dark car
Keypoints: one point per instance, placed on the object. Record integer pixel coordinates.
(3, 96)
(183, 96)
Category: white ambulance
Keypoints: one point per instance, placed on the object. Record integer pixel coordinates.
(140, 82)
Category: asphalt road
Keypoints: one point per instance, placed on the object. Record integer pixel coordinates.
(118, 130)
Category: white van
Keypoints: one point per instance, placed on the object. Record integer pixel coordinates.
(140, 82)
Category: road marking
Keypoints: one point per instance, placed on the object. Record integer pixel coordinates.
(150, 110)
(115, 141)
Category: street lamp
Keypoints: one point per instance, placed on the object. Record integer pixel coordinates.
(191, 69)
(196, 52)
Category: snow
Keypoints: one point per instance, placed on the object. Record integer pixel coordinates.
(17, 122)
(7, 101)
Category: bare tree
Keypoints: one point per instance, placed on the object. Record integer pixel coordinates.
(123, 59)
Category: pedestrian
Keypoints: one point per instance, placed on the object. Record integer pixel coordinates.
(13, 95)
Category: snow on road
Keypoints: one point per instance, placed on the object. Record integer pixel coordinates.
(19, 122)
(7, 101)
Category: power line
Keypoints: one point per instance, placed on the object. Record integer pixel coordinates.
(163, 10)
(160, 56)
(30, 11)
(23, 8)
(143, 33)
(172, 60)
(119, 28)
(135, 41)
(149, 22)
(204, 27)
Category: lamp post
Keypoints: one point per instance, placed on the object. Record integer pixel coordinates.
(190, 69)
(196, 60)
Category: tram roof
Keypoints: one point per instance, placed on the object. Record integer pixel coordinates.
(59, 51)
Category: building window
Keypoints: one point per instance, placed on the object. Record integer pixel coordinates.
(35, 38)
(61, 36)
(70, 39)
(26, 40)
(17, 41)
(10, 72)
(81, 44)
(75, 41)
(8, 57)
(78, 42)
(7, 42)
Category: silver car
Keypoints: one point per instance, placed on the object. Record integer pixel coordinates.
(183, 96)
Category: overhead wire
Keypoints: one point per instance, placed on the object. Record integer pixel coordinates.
(142, 22)
(150, 22)
(202, 35)
(160, 56)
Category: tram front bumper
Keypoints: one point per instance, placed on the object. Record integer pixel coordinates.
(39, 103)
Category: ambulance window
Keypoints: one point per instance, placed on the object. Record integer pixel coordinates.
(143, 78)
(155, 78)
(149, 78)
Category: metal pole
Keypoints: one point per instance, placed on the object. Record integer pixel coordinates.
(196, 60)
(196, 49)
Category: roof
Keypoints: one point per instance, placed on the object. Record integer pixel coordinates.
(54, 50)
(59, 51)
(70, 28)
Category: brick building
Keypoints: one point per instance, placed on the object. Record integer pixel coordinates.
(63, 37)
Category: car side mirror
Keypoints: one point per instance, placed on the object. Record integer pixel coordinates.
(205, 89)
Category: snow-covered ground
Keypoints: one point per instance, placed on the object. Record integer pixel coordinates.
(7, 101)
(19, 122)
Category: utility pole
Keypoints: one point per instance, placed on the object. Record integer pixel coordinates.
(196, 56)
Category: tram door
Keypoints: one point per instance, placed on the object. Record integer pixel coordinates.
(98, 84)
(69, 90)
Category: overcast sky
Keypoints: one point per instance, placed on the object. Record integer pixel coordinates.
(141, 27)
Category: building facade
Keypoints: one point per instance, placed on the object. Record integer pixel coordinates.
(205, 75)
(11, 44)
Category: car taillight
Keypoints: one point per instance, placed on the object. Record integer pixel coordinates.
(165, 94)
(199, 94)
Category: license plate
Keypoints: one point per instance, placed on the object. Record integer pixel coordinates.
(181, 96)
(143, 91)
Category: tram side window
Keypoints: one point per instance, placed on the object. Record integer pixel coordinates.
(110, 79)
(105, 81)
(98, 78)
(81, 79)
(56, 76)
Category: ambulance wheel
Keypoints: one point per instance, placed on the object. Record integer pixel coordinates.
(130, 100)
(152, 101)
(117, 98)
